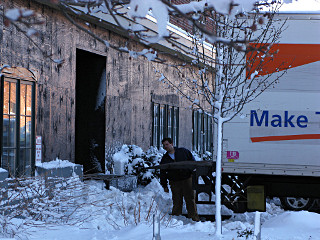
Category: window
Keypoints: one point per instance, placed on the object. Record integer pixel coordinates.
(165, 123)
(202, 132)
(18, 126)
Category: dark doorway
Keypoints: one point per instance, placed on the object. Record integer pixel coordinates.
(90, 111)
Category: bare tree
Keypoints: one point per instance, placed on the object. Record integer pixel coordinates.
(223, 85)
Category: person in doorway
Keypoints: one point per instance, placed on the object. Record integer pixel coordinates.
(180, 180)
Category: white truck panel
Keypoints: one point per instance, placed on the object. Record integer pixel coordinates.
(304, 25)
(279, 132)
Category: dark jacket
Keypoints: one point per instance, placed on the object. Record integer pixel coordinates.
(180, 154)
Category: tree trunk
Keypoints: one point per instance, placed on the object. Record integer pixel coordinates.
(218, 177)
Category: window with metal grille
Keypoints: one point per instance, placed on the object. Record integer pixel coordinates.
(165, 123)
(202, 132)
(18, 126)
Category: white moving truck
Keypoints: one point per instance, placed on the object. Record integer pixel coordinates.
(276, 144)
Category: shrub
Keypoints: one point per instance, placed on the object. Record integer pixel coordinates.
(139, 161)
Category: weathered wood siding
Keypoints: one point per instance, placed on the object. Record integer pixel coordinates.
(131, 83)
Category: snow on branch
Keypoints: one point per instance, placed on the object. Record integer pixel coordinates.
(149, 21)
(236, 76)
(144, 21)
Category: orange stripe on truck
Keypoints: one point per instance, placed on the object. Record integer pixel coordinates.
(285, 138)
(284, 56)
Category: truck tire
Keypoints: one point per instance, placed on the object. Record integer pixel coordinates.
(297, 204)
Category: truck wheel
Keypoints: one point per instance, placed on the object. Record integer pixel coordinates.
(297, 204)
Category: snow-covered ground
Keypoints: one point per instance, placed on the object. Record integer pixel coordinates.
(86, 210)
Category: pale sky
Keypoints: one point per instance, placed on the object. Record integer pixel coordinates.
(302, 5)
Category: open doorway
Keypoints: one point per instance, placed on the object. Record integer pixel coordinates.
(90, 111)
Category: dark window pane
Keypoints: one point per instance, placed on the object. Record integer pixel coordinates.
(162, 122)
(12, 131)
(8, 160)
(25, 163)
(205, 132)
(170, 122)
(6, 131)
(175, 126)
(155, 124)
(202, 132)
(22, 161)
(210, 135)
(11, 162)
(28, 131)
(194, 130)
(5, 158)
(27, 170)
(165, 123)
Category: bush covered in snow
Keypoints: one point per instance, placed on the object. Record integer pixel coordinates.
(131, 159)
(206, 156)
